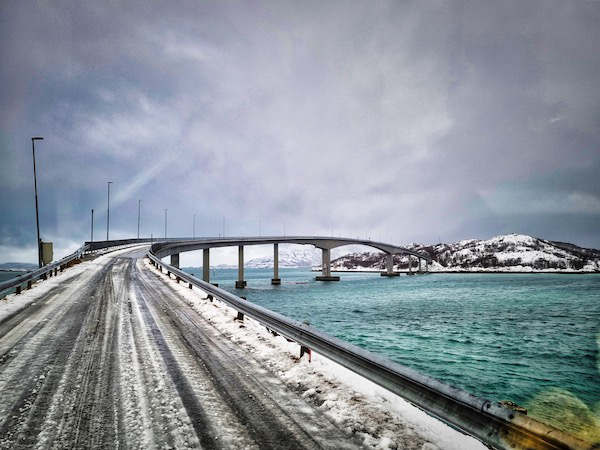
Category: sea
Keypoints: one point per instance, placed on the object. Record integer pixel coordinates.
(5, 275)
(8, 274)
(532, 339)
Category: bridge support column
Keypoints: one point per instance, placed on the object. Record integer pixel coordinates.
(409, 264)
(389, 267)
(240, 283)
(175, 260)
(420, 268)
(206, 264)
(426, 266)
(326, 267)
(276, 280)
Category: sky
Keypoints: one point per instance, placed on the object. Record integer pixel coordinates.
(399, 121)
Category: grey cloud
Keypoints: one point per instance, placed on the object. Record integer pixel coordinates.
(396, 119)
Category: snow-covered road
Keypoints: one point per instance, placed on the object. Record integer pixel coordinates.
(110, 354)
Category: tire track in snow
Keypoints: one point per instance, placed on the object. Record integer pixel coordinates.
(205, 432)
(149, 387)
(256, 403)
(43, 361)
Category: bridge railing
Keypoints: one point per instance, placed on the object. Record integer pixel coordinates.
(490, 422)
(99, 245)
(28, 278)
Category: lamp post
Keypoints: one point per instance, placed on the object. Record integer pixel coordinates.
(108, 183)
(194, 228)
(165, 223)
(139, 209)
(37, 217)
(92, 231)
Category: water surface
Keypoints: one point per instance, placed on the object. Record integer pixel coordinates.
(528, 338)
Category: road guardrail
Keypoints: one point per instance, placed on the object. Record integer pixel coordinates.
(28, 278)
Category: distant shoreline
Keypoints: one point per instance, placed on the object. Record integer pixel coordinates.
(562, 272)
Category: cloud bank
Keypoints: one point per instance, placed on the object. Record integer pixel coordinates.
(402, 121)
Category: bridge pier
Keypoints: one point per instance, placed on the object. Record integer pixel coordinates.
(389, 267)
(409, 264)
(326, 267)
(240, 283)
(175, 260)
(426, 266)
(206, 264)
(276, 280)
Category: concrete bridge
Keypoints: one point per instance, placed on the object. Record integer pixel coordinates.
(173, 247)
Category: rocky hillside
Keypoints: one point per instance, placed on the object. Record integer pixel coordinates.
(507, 253)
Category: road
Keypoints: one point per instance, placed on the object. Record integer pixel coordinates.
(114, 358)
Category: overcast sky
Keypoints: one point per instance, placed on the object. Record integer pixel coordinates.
(399, 121)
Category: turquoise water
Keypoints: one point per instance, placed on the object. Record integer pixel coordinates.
(531, 339)
(7, 275)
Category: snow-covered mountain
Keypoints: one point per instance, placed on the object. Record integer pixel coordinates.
(507, 253)
(289, 256)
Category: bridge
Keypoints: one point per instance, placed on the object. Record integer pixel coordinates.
(174, 246)
(106, 347)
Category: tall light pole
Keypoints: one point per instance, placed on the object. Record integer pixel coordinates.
(139, 210)
(108, 183)
(194, 228)
(165, 223)
(92, 231)
(37, 217)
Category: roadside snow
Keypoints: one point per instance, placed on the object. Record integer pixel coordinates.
(380, 418)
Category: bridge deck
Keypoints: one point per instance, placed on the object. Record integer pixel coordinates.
(165, 247)
(113, 356)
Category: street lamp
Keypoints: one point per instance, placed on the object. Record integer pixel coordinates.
(165, 223)
(194, 228)
(108, 183)
(139, 209)
(37, 217)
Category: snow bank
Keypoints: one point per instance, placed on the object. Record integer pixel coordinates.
(378, 417)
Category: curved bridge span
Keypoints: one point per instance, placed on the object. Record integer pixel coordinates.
(174, 246)
(325, 243)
